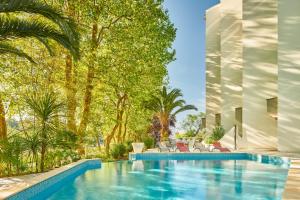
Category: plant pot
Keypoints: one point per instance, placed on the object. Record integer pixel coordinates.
(138, 147)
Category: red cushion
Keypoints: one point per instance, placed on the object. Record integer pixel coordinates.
(217, 144)
(182, 147)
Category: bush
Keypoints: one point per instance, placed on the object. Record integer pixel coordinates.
(218, 133)
(149, 142)
(128, 145)
(179, 136)
(118, 151)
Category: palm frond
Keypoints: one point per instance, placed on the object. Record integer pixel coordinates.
(155, 104)
(45, 42)
(67, 25)
(8, 49)
(184, 108)
(12, 28)
(174, 94)
(174, 104)
(45, 106)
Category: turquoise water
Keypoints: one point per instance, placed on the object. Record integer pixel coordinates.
(171, 179)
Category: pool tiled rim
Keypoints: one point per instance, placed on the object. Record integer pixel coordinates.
(57, 180)
(275, 160)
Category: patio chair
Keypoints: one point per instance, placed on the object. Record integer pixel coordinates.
(163, 147)
(191, 143)
(200, 146)
(218, 147)
(182, 147)
(173, 145)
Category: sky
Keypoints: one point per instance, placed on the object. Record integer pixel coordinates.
(187, 72)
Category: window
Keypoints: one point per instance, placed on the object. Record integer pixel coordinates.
(218, 119)
(272, 107)
(203, 122)
(239, 120)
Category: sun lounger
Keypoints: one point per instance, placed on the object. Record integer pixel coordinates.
(163, 147)
(217, 147)
(200, 147)
(182, 147)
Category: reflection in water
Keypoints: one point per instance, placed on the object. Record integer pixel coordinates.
(137, 165)
(170, 179)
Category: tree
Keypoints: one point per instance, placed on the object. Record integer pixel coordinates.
(127, 45)
(46, 108)
(192, 124)
(15, 25)
(167, 105)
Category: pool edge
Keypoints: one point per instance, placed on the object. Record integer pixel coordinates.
(45, 180)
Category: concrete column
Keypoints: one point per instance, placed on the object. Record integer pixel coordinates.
(231, 61)
(260, 72)
(289, 75)
(213, 93)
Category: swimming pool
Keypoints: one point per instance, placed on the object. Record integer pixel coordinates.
(184, 178)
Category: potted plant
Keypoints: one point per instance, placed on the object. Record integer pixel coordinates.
(138, 147)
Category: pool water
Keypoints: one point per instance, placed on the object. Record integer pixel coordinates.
(177, 179)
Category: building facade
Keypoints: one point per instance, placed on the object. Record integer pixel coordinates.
(253, 90)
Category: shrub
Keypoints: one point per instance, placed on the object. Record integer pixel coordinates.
(218, 133)
(149, 142)
(190, 134)
(128, 145)
(179, 136)
(118, 151)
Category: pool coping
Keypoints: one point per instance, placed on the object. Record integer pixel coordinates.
(22, 183)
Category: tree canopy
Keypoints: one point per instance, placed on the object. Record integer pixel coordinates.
(99, 60)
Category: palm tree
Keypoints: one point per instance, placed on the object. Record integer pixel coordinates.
(46, 109)
(166, 106)
(15, 25)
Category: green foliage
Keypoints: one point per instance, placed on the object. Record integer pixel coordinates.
(166, 106)
(186, 135)
(149, 142)
(16, 27)
(125, 55)
(11, 151)
(192, 123)
(46, 108)
(128, 145)
(118, 151)
(217, 134)
(66, 139)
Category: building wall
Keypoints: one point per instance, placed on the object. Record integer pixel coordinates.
(231, 61)
(259, 72)
(213, 92)
(289, 75)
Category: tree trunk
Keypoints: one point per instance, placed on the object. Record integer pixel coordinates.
(3, 129)
(70, 87)
(125, 126)
(120, 103)
(43, 152)
(88, 91)
(120, 122)
(165, 123)
(87, 100)
(109, 138)
(43, 147)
